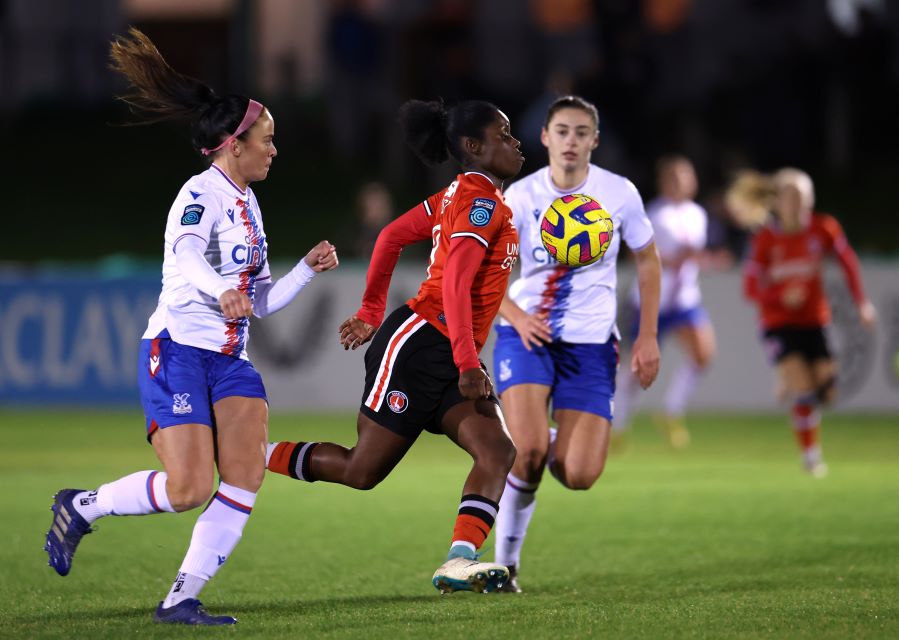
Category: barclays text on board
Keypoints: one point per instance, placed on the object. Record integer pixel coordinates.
(74, 340)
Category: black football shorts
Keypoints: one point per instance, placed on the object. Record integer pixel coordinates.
(411, 380)
(808, 342)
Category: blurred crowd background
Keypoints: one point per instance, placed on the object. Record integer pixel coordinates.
(729, 83)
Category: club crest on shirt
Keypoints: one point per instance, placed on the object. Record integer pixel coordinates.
(397, 401)
(481, 211)
(192, 214)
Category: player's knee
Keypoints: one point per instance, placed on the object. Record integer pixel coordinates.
(252, 480)
(496, 454)
(827, 391)
(582, 481)
(509, 453)
(185, 496)
(703, 360)
(502, 454)
(530, 458)
(577, 479)
(247, 474)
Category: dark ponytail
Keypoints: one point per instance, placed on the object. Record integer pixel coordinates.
(424, 127)
(435, 133)
(159, 93)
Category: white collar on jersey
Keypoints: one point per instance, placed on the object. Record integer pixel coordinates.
(478, 173)
(552, 185)
(230, 181)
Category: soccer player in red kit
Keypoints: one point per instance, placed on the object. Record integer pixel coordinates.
(422, 369)
(783, 276)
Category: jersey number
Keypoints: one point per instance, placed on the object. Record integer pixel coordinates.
(435, 242)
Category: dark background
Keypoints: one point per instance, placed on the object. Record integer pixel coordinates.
(730, 83)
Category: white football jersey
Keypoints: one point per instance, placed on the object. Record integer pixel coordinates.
(580, 303)
(678, 227)
(213, 208)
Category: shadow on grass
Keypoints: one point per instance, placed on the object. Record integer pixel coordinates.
(282, 607)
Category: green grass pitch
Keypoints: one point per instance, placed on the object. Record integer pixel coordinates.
(728, 539)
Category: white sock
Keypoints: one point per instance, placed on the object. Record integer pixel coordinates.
(812, 456)
(269, 449)
(681, 388)
(216, 533)
(137, 494)
(186, 586)
(551, 450)
(515, 510)
(625, 401)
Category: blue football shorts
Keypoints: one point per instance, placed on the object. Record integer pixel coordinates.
(179, 384)
(581, 376)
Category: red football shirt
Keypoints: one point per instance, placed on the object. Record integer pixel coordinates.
(782, 264)
(473, 242)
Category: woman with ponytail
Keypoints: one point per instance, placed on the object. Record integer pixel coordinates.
(783, 277)
(204, 402)
(422, 370)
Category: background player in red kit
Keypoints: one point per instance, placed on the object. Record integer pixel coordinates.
(783, 276)
(422, 368)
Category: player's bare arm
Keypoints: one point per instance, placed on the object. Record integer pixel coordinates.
(531, 327)
(646, 357)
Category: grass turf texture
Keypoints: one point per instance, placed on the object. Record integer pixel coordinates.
(728, 539)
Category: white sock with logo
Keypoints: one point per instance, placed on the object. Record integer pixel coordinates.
(516, 508)
(186, 586)
(137, 494)
(216, 533)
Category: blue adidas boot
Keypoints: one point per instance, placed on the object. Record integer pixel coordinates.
(190, 611)
(66, 531)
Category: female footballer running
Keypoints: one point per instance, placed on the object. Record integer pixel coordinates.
(204, 402)
(783, 276)
(557, 345)
(422, 369)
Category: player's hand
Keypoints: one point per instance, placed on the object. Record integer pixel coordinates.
(354, 333)
(322, 257)
(475, 384)
(793, 296)
(533, 330)
(645, 360)
(867, 315)
(235, 305)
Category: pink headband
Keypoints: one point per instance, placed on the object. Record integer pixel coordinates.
(253, 111)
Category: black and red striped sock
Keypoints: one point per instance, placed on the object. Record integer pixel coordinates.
(290, 459)
(473, 524)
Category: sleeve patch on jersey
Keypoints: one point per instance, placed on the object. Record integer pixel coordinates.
(481, 211)
(192, 214)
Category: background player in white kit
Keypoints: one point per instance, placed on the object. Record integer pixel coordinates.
(558, 342)
(680, 227)
(204, 402)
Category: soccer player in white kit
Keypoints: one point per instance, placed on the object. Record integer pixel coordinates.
(558, 343)
(680, 226)
(204, 402)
